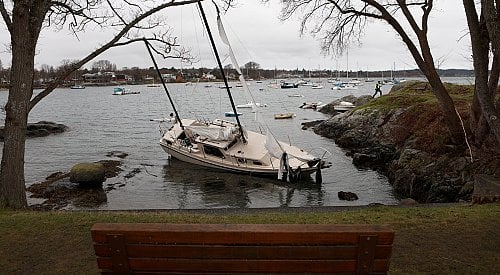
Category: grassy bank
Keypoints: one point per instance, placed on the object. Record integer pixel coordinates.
(429, 239)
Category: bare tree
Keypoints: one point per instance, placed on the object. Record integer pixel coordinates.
(25, 20)
(103, 65)
(484, 32)
(252, 65)
(341, 22)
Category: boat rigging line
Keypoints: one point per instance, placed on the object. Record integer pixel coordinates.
(212, 42)
(148, 46)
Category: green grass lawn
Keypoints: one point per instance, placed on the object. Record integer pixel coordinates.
(433, 239)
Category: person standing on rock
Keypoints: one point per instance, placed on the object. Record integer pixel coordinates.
(377, 89)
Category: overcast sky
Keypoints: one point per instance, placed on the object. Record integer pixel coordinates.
(258, 35)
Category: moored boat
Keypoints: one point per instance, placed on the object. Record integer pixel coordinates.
(123, 91)
(344, 106)
(284, 115)
(232, 114)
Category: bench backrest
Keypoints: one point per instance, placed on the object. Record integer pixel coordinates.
(249, 248)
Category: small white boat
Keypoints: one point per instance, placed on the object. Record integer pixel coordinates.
(296, 95)
(310, 105)
(77, 87)
(288, 85)
(344, 86)
(153, 85)
(304, 83)
(317, 86)
(232, 114)
(284, 115)
(123, 91)
(344, 106)
(250, 105)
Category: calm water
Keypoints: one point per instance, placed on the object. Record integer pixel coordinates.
(100, 122)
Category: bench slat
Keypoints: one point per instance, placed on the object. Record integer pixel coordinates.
(196, 265)
(246, 233)
(249, 251)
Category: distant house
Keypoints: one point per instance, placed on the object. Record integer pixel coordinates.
(97, 78)
(104, 78)
(208, 76)
(169, 77)
(119, 78)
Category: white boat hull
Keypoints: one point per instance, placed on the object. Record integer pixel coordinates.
(235, 156)
(224, 166)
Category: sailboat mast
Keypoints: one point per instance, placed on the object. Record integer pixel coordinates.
(221, 69)
(163, 83)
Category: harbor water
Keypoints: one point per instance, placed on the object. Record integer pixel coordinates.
(100, 123)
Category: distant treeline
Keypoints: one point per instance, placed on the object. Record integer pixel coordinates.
(137, 75)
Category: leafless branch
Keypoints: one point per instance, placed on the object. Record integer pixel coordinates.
(5, 16)
(106, 46)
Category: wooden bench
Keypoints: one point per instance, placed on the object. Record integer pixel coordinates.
(242, 248)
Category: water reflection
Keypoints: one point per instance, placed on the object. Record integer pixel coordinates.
(222, 189)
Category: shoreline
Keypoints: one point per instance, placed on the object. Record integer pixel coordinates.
(305, 210)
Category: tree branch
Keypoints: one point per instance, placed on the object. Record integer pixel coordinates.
(103, 48)
(425, 17)
(409, 16)
(6, 16)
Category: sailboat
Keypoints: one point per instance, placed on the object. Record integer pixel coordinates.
(227, 145)
(153, 85)
(77, 86)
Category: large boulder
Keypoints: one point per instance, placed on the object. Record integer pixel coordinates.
(40, 129)
(88, 174)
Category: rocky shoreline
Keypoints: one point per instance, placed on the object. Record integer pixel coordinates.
(407, 142)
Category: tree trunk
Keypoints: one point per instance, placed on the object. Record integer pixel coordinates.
(23, 42)
(447, 106)
(483, 105)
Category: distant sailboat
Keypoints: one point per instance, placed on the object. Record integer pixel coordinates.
(77, 86)
(153, 85)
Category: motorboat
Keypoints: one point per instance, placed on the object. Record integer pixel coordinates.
(123, 91)
(288, 85)
(77, 87)
(311, 105)
(284, 115)
(232, 114)
(344, 106)
(250, 105)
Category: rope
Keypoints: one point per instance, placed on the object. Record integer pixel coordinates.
(465, 134)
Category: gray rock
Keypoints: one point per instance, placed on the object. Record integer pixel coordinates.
(40, 129)
(347, 196)
(467, 189)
